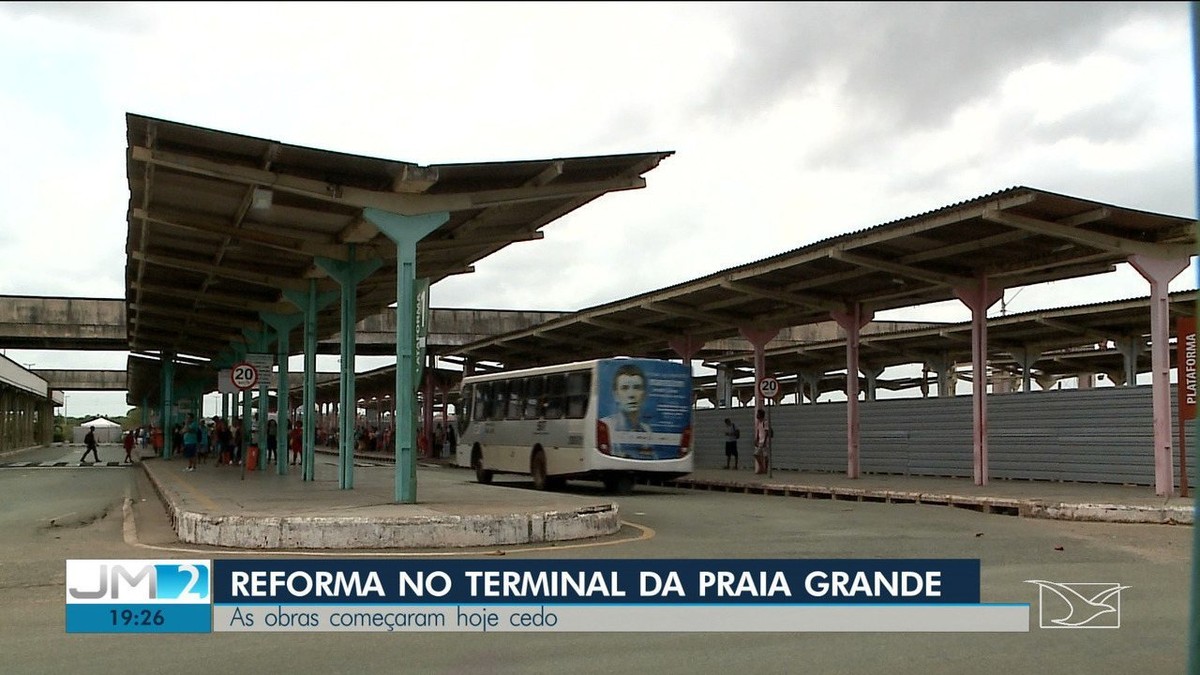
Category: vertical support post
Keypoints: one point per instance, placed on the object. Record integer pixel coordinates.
(257, 342)
(1131, 347)
(168, 402)
(1159, 272)
(348, 273)
(310, 303)
(852, 322)
(759, 338)
(427, 407)
(687, 346)
(812, 382)
(978, 298)
(405, 231)
(871, 373)
(1194, 618)
(283, 325)
(1026, 356)
(724, 387)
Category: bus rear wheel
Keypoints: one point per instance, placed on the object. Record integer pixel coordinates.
(621, 484)
(537, 469)
(481, 474)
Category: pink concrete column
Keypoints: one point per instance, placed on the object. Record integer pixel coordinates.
(686, 346)
(852, 322)
(758, 338)
(978, 299)
(1159, 272)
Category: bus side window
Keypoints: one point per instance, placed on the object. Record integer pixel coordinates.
(483, 400)
(578, 389)
(533, 398)
(516, 399)
(556, 395)
(499, 401)
(466, 405)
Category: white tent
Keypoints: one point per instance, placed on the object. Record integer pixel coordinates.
(107, 431)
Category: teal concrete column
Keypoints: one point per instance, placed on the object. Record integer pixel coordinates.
(168, 401)
(283, 325)
(310, 303)
(405, 231)
(245, 434)
(259, 342)
(348, 273)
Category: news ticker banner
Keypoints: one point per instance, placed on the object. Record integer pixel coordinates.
(382, 595)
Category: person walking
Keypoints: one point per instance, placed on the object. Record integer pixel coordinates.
(731, 443)
(89, 445)
(127, 441)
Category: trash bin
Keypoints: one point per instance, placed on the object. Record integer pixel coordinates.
(252, 457)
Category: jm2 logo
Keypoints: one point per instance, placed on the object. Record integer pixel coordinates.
(138, 581)
(1078, 605)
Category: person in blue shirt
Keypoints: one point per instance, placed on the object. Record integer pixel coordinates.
(191, 438)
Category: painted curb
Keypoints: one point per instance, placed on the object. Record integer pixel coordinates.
(438, 531)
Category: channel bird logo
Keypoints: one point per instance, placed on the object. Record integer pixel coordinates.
(1087, 605)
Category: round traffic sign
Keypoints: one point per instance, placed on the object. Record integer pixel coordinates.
(244, 375)
(769, 387)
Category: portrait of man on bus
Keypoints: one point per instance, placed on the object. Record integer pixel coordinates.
(629, 393)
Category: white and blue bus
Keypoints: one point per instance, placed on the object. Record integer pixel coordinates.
(611, 420)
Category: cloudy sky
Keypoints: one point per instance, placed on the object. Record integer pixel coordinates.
(790, 123)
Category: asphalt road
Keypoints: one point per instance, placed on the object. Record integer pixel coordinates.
(51, 515)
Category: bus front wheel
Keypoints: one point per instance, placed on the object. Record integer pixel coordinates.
(537, 469)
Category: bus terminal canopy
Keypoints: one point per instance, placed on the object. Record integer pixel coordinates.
(1011, 238)
(223, 226)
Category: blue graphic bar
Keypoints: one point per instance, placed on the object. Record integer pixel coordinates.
(639, 582)
(139, 618)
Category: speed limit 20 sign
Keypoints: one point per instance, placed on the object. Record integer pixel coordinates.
(244, 375)
(769, 387)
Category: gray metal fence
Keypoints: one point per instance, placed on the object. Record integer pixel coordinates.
(1103, 435)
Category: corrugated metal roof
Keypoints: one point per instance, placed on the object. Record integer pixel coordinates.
(221, 224)
(1013, 237)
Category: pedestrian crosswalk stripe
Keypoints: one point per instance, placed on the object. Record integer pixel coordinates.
(62, 465)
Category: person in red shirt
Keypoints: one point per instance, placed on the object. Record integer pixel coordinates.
(296, 441)
(128, 441)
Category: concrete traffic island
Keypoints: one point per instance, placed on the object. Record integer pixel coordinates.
(216, 506)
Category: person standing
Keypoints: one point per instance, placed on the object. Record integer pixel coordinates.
(190, 435)
(296, 442)
(272, 440)
(731, 443)
(89, 445)
(762, 441)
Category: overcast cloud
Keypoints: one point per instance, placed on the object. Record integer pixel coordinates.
(791, 122)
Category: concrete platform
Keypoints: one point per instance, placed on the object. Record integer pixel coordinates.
(1058, 500)
(216, 506)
